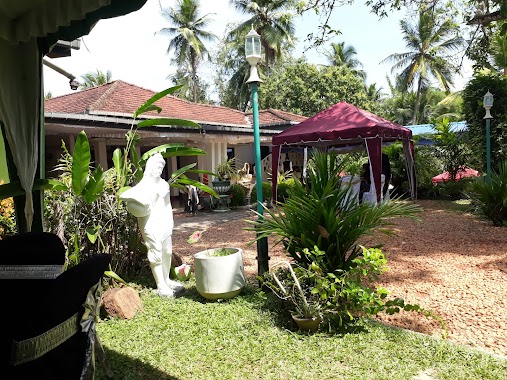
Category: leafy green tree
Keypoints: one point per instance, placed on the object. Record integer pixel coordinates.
(473, 95)
(373, 92)
(430, 41)
(94, 79)
(451, 147)
(306, 89)
(272, 20)
(189, 34)
(499, 51)
(345, 55)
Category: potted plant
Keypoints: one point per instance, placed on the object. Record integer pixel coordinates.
(224, 171)
(296, 287)
(219, 272)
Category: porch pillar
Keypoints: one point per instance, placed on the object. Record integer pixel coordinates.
(99, 147)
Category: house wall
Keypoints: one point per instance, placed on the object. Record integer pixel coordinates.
(244, 153)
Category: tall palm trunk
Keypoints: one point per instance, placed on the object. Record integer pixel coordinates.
(417, 101)
(193, 60)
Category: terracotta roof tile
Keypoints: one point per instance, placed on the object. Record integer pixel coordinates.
(272, 116)
(124, 98)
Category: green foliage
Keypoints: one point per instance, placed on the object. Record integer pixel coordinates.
(7, 217)
(219, 252)
(188, 37)
(283, 190)
(238, 194)
(306, 89)
(352, 163)
(452, 189)
(272, 20)
(489, 198)
(267, 193)
(321, 214)
(452, 148)
(339, 296)
(427, 165)
(430, 41)
(94, 79)
(226, 170)
(473, 95)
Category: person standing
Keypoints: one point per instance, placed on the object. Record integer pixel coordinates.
(386, 171)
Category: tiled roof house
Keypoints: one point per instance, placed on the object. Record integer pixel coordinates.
(105, 113)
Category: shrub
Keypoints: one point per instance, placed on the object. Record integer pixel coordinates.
(238, 194)
(267, 192)
(341, 296)
(284, 190)
(7, 217)
(427, 165)
(453, 190)
(489, 197)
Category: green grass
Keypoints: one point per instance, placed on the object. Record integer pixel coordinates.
(460, 205)
(243, 338)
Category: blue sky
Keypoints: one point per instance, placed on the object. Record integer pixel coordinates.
(129, 47)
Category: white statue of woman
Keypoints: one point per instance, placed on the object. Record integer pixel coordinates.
(150, 202)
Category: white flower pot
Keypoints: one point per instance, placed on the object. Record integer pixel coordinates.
(219, 277)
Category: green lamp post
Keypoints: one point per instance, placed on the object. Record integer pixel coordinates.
(253, 56)
(488, 103)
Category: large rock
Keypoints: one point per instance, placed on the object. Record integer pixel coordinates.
(122, 303)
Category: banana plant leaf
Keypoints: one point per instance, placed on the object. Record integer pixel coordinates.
(14, 189)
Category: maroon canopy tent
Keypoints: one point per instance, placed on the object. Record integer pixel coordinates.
(344, 125)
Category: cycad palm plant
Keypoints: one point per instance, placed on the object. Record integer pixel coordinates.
(489, 196)
(323, 214)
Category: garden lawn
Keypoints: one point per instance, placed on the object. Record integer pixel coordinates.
(243, 338)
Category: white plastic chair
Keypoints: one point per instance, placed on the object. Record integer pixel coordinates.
(371, 196)
(355, 184)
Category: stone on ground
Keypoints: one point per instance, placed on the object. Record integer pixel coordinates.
(123, 303)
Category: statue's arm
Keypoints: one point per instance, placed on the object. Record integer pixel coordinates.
(135, 204)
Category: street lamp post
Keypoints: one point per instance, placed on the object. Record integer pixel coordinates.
(488, 103)
(253, 55)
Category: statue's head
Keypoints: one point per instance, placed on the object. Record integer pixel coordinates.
(154, 166)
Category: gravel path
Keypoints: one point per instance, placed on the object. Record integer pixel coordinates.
(449, 262)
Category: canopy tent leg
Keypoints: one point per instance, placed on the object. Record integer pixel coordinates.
(408, 152)
(275, 162)
(374, 149)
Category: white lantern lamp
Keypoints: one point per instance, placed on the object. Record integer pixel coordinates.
(253, 54)
(488, 103)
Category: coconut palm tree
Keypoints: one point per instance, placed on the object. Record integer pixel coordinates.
(189, 34)
(272, 20)
(94, 79)
(184, 77)
(345, 55)
(430, 41)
